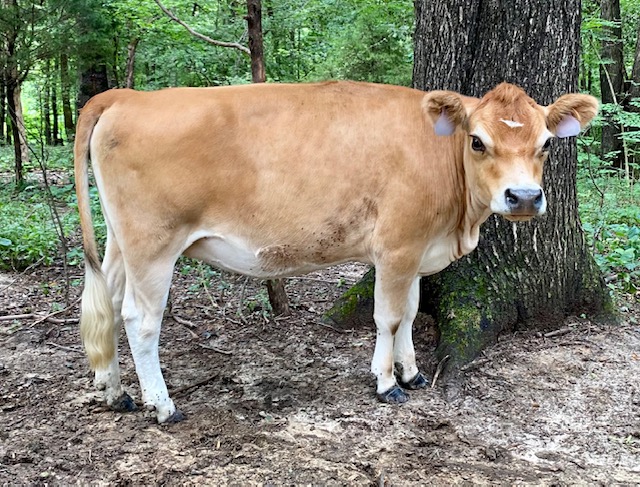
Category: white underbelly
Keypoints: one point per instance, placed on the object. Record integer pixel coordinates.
(439, 254)
(231, 253)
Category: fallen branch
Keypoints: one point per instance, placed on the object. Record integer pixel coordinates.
(439, 371)
(40, 319)
(202, 37)
(560, 332)
(17, 317)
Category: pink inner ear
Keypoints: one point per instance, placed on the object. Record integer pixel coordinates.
(568, 127)
(443, 125)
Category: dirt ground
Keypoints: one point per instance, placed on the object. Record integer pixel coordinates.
(291, 401)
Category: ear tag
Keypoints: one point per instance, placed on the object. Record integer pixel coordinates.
(443, 125)
(568, 127)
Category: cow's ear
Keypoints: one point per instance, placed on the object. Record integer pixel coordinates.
(571, 113)
(447, 110)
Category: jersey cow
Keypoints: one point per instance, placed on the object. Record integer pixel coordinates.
(275, 180)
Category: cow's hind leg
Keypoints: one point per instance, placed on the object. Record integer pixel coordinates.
(404, 355)
(145, 297)
(108, 378)
(390, 303)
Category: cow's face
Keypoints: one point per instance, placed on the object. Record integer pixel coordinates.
(507, 140)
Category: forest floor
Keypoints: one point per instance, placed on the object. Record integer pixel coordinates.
(291, 401)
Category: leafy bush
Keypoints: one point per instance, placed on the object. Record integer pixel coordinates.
(27, 232)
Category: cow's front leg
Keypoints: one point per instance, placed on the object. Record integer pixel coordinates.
(390, 303)
(404, 354)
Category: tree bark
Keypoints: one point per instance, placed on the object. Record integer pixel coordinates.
(612, 76)
(254, 24)
(131, 63)
(521, 273)
(65, 88)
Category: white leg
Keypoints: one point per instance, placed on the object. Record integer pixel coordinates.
(403, 352)
(390, 301)
(144, 301)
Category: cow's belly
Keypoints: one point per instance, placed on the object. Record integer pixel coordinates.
(439, 254)
(232, 253)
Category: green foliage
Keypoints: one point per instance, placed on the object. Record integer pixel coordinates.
(610, 212)
(27, 233)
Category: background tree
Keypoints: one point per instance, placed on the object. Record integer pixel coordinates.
(612, 79)
(533, 272)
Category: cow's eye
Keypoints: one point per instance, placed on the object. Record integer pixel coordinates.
(547, 144)
(476, 144)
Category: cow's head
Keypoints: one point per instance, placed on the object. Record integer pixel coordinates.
(507, 141)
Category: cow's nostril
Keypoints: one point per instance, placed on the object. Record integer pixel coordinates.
(538, 200)
(511, 198)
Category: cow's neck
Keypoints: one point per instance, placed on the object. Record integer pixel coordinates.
(473, 214)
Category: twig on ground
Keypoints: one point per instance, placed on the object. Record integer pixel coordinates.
(186, 323)
(16, 317)
(475, 364)
(333, 328)
(62, 347)
(182, 390)
(560, 332)
(217, 350)
(50, 316)
(439, 371)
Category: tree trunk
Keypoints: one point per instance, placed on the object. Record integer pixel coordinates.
(65, 88)
(612, 76)
(131, 63)
(93, 80)
(46, 104)
(3, 111)
(254, 23)
(275, 288)
(20, 148)
(55, 126)
(522, 273)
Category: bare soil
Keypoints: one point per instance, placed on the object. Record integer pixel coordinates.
(290, 401)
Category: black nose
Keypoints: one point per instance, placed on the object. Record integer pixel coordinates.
(524, 201)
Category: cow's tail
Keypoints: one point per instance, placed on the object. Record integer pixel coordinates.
(97, 326)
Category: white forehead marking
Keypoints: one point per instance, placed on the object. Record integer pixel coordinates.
(511, 123)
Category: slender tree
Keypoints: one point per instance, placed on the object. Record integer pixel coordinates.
(612, 78)
(536, 272)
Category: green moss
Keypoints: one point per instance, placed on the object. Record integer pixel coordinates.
(359, 295)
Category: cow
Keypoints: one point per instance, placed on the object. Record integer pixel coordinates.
(275, 180)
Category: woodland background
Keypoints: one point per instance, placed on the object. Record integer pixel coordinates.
(56, 53)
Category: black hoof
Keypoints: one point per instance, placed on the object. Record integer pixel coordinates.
(124, 404)
(395, 395)
(175, 417)
(418, 382)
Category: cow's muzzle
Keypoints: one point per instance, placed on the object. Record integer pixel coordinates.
(524, 203)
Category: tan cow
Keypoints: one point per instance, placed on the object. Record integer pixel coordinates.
(276, 180)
